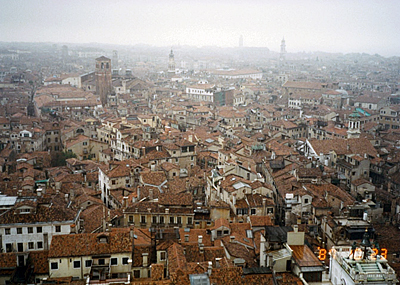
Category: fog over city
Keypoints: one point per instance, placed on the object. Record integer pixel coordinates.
(329, 26)
(191, 142)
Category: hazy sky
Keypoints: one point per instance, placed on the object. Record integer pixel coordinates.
(324, 25)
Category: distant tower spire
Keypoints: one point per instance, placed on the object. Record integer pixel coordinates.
(282, 56)
(171, 62)
(115, 59)
(241, 41)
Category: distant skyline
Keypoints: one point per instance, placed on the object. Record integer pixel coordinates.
(345, 26)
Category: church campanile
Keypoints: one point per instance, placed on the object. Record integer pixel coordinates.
(103, 78)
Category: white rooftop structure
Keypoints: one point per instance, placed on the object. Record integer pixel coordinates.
(7, 202)
(347, 267)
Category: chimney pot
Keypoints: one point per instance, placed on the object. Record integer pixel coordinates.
(131, 233)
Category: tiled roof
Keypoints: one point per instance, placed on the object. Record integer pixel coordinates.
(240, 251)
(90, 244)
(181, 199)
(360, 181)
(284, 124)
(92, 217)
(153, 178)
(38, 259)
(302, 84)
(42, 214)
(261, 221)
(359, 146)
(8, 260)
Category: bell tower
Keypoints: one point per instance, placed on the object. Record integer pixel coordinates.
(354, 126)
(171, 62)
(282, 55)
(103, 78)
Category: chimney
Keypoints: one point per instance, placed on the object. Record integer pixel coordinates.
(217, 262)
(66, 198)
(73, 229)
(39, 192)
(72, 193)
(200, 239)
(138, 193)
(209, 268)
(295, 228)
(232, 238)
(20, 193)
(264, 203)
(166, 210)
(151, 194)
(131, 231)
(124, 202)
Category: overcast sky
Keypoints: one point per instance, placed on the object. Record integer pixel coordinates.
(325, 25)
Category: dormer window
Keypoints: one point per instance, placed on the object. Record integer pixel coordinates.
(102, 238)
(24, 211)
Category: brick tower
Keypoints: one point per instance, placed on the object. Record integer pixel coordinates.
(103, 78)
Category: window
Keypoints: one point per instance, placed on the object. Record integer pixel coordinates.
(253, 211)
(30, 230)
(219, 233)
(190, 220)
(131, 219)
(39, 229)
(102, 261)
(226, 232)
(88, 263)
(179, 220)
(7, 231)
(58, 229)
(305, 201)
(39, 244)
(77, 264)
(113, 182)
(114, 261)
(31, 245)
(162, 220)
(125, 260)
(136, 273)
(143, 219)
(54, 266)
(154, 219)
(84, 143)
(171, 220)
(9, 247)
(19, 231)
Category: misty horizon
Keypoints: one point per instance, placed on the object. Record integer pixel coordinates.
(307, 26)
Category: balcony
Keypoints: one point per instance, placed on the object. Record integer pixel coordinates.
(126, 280)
